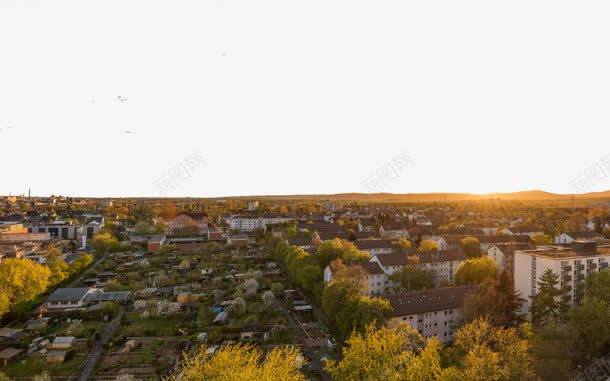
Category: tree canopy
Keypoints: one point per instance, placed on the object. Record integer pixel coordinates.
(396, 353)
(337, 248)
(476, 270)
(21, 280)
(546, 307)
(427, 246)
(360, 311)
(495, 300)
(471, 247)
(241, 362)
(412, 278)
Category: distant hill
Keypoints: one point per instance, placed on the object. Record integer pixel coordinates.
(533, 195)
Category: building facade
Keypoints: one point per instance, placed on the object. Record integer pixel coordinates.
(433, 313)
(571, 264)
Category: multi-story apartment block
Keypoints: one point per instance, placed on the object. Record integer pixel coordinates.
(442, 264)
(572, 264)
(251, 223)
(435, 312)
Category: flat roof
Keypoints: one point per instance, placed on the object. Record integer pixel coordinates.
(559, 252)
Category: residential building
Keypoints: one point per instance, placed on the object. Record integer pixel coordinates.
(66, 298)
(184, 220)
(523, 230)
(252, 205)
(394, 230)
(376, 278)
(433, 313)
(375, 246)
(254, 222)
(442, 264)
(330, 206)
(570, 237)
(571, 264)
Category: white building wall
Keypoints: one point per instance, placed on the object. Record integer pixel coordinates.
(530, 267)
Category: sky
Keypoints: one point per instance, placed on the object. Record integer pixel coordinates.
(225, 97)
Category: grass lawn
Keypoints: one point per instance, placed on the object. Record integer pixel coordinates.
(33, 365)
(81, 330)
(151, 327)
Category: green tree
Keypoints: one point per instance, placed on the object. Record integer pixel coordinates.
(487, 352)
(81, 263)
(355, 274)
(360, 311)
(597, 285)
(403, 246)
(495, 300)
(476, 270)
(590, 321)
(104, 243)
(427, 246)
(5, 304)
(396, 354)
(21, 280)
(542, 239)
(291, 232)
(412, 278)
(57, 265)
(337, 248)
(471, 246)
(336, 294)
(546, 306)
(309, 276)
(552, 350)
(241, 362)
(143, 228)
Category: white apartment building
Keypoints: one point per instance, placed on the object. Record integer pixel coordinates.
(442, 264)
(572, 264)
(433, 313)
(247, 223)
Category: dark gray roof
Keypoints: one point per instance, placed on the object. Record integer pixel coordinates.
(393, 259)
(66, 294)
(429, 300)
(108, 296)
(368, 244)
(372, 268)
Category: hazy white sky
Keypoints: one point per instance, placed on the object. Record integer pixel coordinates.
(284, 97)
